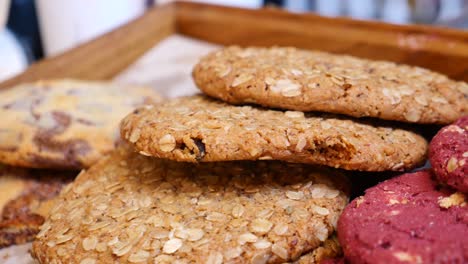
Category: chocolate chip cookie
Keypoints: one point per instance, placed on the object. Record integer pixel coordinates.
(198, 129)
(25, 200)
(64, 124)
(407, 219)
(302, 80)
(448, 154)
(129, 208)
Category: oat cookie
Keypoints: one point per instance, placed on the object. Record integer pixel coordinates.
(407, 219)
(448, 154)
(130, 209)
(64, 123)
(25, 200)
(201, 129)
(330, 249)
(303, 80)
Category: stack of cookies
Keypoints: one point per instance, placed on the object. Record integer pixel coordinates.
(248, 173)
(49, 131)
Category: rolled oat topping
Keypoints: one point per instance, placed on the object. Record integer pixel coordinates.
(161, 211)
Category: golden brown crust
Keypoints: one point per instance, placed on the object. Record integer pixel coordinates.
(328, 250)
(64, 123)
(303, 80)
(26, 196)
(130, 208)
(201, 129)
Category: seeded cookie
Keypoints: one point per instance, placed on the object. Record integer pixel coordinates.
(132, 208)
(64, 124)
(407, 219)
(448, 154)
(25, 200)
(201, 129)
(301, 80)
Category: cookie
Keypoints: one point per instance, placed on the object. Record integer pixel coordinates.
(130, 208)
(64, 124)
(330, 248)
(201, 129)
(302, 80)
(407, 219)
(25, 200)
(448, 153)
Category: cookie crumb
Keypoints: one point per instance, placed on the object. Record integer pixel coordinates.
(452, 164)
(406, 257)
(359, 201)
(456, 199)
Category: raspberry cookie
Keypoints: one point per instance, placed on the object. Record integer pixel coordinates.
(64, 124)
(407, 219)
(448, 153)
(302, 80)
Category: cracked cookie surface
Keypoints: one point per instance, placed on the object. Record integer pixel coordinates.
(64, 123)
(129, 208)
(407, 219)
(25, 200)
(201, 129)
(448, 153)
(302, 80)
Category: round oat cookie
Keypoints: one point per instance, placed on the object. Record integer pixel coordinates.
(26, 196)
(129, 208)
(65, 124)
(407, 219)
(201, 129)
(302, 80)
(448, 153)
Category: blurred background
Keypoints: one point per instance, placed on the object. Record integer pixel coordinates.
(34, 29)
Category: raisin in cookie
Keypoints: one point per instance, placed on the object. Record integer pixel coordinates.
(129, 208)
(304, 80)
(25, 200)
(407, 219)
(64, 124)
(201, 129)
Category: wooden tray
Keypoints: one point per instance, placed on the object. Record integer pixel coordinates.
(439, 49)
(443, 50)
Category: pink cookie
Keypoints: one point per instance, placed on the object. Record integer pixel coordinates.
(407, 219)
(448, 153)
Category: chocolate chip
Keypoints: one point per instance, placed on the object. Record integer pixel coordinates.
(63, 121)
(70, 151)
